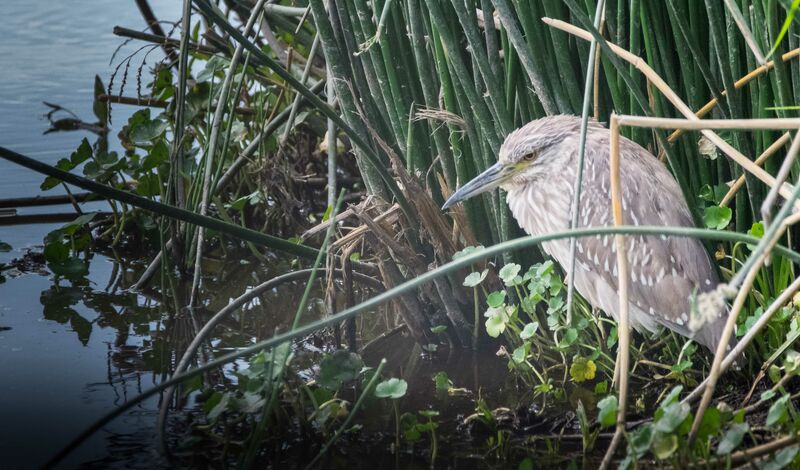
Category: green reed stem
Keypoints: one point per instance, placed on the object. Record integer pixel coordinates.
(159, 208)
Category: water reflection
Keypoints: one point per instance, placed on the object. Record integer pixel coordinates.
(98, 344)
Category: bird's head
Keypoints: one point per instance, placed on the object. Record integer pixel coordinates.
(526, 154)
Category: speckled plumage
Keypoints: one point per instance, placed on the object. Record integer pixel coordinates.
(664, 271)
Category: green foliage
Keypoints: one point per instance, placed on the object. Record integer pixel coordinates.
(438, 329)
(607, 411)
(216, 404)
(778, 412)
(64, 246)
(254, 386)
(337, 368)
(640, 441)
(582, 369)
(782, 459)
(497, 319)
(252, 199)
(409, 425)
(100, 108)
(467, 250)
(664, 445)
(392, 388)
(785, 27)
(717, 217)
(475, 278)
(83, 153)
(530, 314)
(521, 353)
(732, 438)
(529, 330)
(710, 426)
(414, 426)
(143, 130)
(669, 417)
(509, 274)
(791, 363)
(442, 382)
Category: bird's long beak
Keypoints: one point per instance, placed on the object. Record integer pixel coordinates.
(493, 177)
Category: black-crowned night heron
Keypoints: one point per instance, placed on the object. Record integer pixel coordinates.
(537, 167)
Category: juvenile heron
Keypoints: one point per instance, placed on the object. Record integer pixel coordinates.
(537, 167)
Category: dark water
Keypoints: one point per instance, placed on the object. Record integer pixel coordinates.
(68, 353)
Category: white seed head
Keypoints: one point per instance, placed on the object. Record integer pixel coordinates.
(710, 306)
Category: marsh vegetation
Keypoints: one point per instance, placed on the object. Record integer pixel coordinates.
(272, 207)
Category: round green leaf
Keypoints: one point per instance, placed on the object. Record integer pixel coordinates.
(475, 278)
(408, 425)
(526, 464)
(509, 272)
(717, 217)
(778, 412)
(756, 230)
(529, 330)
(673, 415)
(582, 369)
(664, 445)
(731, 440)
(466, 251)
(570, 336)
(496, 321)
(710, 425)
(521, 353)
(641, 440)
(496, 299)
(672, 396)
(607, 411)
(782, 459)
(792, 362)
(392, 388)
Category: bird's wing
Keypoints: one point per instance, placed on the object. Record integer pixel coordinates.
(665, 271)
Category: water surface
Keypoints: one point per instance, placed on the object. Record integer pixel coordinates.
(62, 354)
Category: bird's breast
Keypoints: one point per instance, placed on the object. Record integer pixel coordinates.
(543, 207)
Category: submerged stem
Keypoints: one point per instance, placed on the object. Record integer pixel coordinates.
(396, 427)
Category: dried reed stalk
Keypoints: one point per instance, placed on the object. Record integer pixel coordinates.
(755, 73)
(623, 355)
(770, 151)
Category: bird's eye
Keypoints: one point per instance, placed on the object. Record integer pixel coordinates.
(529, 157)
